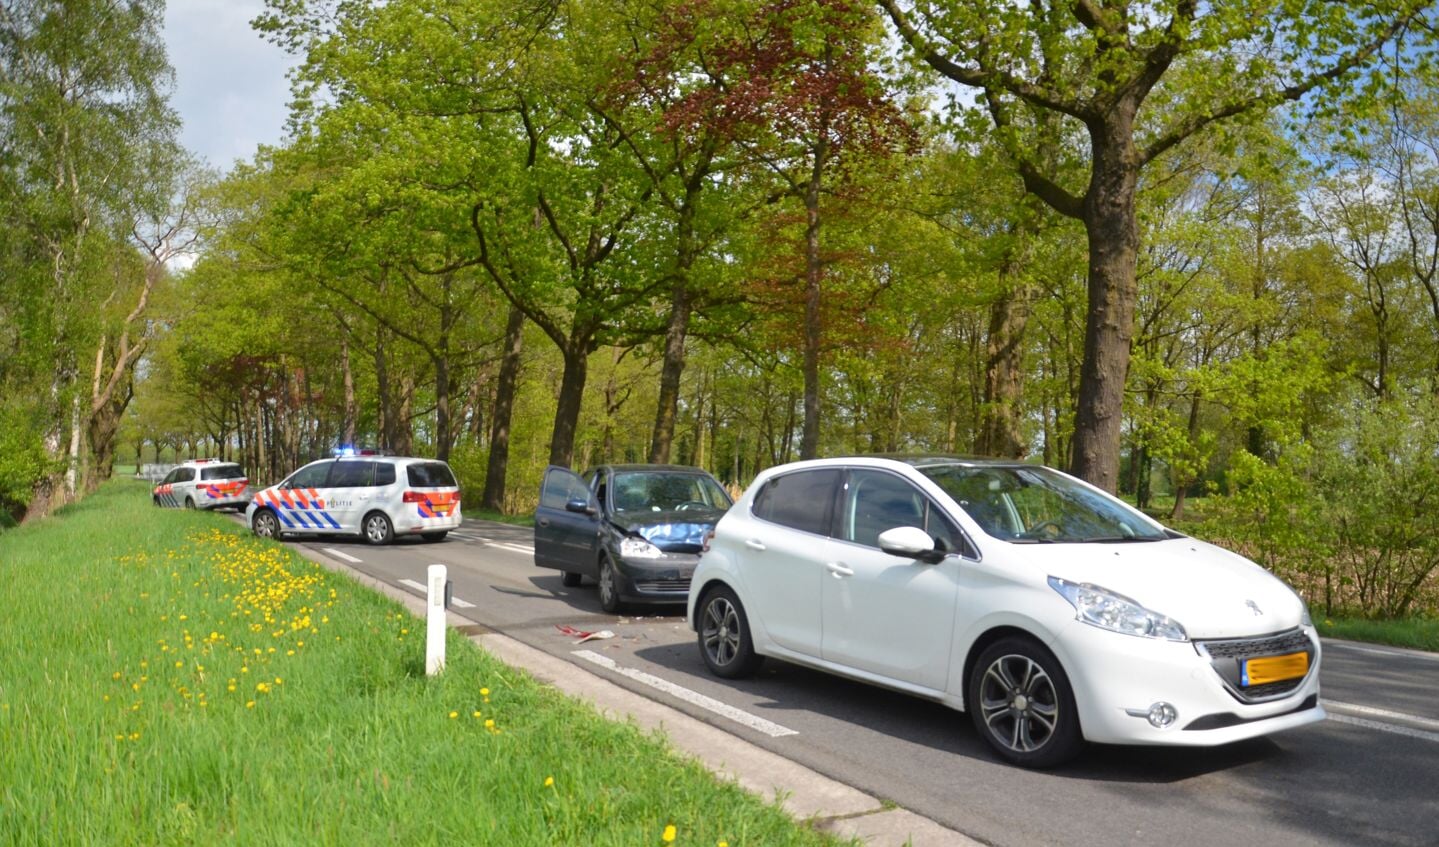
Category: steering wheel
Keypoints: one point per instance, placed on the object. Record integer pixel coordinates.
(1050, 528)
(691, 504)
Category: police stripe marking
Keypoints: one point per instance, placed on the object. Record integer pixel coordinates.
(739, 716)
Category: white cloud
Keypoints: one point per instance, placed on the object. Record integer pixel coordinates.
(230, 87)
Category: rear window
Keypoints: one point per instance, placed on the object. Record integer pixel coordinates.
(430, 475)
(800, 500)
(223, 472)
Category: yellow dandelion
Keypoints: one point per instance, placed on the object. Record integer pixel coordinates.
(134, 736)
(549, 782)
(669, 834)
(490, 723)
(454, 715)
(250, 705)
(179, 664)
(476, 713)
(115, 675)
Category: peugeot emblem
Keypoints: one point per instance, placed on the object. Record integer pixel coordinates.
(1254, 607)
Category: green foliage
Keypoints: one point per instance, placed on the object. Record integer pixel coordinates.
(23, 460)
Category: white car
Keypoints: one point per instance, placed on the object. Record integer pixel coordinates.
(203, 484)
(1049, 610)
(377, 497)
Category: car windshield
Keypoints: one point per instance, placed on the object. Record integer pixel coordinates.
(654, 491)
(1035, 505)
(222, 472)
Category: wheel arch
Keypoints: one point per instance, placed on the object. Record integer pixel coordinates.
(990, 636)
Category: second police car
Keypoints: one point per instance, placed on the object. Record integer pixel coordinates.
(374, 496)
(203, 484)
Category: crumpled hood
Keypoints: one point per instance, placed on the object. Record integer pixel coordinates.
(1205, 588)
(675, 531)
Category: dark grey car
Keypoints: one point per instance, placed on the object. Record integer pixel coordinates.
(637, 530)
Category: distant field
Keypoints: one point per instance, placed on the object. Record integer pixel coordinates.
(167, 679)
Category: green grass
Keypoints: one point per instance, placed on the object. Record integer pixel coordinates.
(487, 515)
(167, 679)
(1418, 633)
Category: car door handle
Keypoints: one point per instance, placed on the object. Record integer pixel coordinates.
(838, 569)
(544, 521)
(755, 544)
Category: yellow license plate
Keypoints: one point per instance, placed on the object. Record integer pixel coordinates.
(1274, 668)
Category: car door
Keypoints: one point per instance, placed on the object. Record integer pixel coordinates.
(567, 524)
(301, 500)
(346, 496)
(885, 614)
(164, 492)
(783, 543)
(184, 488)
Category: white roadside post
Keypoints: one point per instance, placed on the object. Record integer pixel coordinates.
(435, 620)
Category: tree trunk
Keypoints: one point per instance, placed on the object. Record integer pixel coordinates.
(567, 411)
(670, 373)
(493, 497)
(348, 436)
(999, 426)
(813, 275)
(1111, 224)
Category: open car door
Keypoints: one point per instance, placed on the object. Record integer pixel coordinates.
(566, 524)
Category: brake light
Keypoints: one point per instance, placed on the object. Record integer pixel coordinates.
(414, 497)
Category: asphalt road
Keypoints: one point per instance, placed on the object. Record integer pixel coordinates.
(1367, 776)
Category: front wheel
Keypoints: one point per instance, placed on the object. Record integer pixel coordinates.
(609, 587)
(724, 636)
(265, 524)
(1022, 705)
(378, 529)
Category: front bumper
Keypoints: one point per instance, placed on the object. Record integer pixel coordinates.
(1116, 678)
(662, 580)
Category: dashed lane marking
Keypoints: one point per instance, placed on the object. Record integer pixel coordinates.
(338, 555)
(513, 548)
(1358, 711)
(739, 716)
(1385, 727)
(423, 589)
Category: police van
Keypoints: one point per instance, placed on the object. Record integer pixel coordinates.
(360, 492)
(203, 484)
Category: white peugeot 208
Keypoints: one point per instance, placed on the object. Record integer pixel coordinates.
(1049, 610)
(377, 497)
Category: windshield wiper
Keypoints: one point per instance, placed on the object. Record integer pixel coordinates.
(1114, 539)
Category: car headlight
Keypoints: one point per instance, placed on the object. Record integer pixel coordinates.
(638, 548)
(1115, 612)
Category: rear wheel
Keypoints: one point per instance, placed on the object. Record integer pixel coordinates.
(570, 579)
(265, 524)
(432, 537)
(724, 637)
(1021, 703)
(378, 529)
(609, 587)
(189, 502)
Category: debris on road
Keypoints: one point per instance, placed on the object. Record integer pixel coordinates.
(582, 635)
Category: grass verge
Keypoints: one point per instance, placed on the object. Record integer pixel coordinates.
(167, 679)
(501, 517)
(1417, 633)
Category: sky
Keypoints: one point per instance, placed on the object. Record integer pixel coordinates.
(230, 86)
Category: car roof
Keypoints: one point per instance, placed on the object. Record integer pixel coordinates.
(927, 460)
(205, 462)
(640, 466)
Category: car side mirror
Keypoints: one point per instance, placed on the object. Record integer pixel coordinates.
(911, 542)
(581, 506)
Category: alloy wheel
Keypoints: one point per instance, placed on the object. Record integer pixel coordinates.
(720, 631)
(1019, 703)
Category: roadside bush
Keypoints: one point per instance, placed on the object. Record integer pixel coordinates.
(23, 462)
(1351, 519)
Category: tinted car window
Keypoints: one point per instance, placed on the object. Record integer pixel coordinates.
(800, 500)
(184, 474)
(560, 487)
(874, 502)
(312, 476)
(384, 474)
(430, 475)
(351, 474)
(222, 472)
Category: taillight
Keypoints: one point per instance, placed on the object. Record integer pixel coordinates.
(414, 497)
